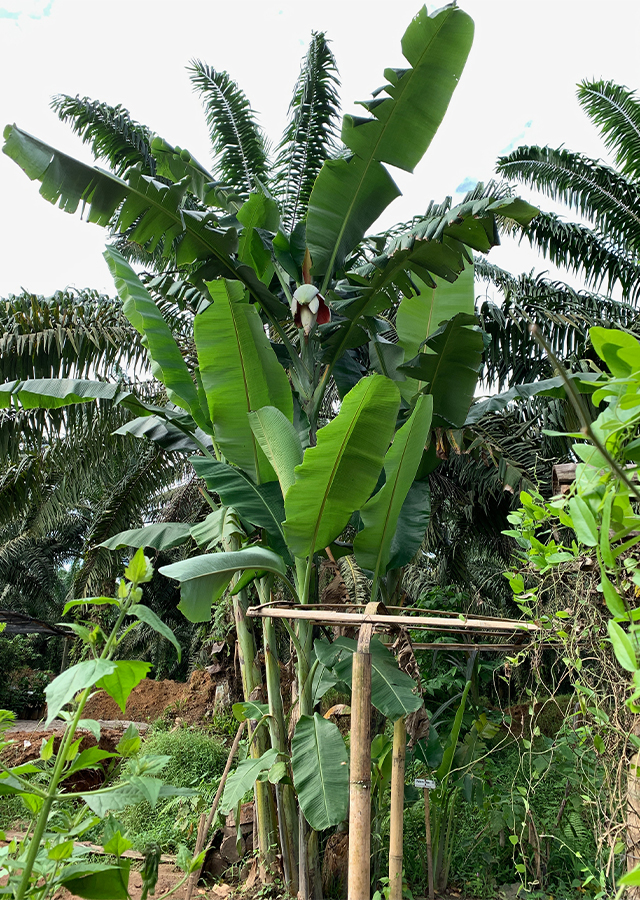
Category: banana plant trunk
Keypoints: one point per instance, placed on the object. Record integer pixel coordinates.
(285, 795)
(251, 683)
(397, 809)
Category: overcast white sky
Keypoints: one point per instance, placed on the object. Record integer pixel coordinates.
(518, 87)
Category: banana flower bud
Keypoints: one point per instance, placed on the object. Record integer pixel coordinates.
(308, 307)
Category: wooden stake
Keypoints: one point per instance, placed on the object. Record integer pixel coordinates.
(633, 818)
(205, 825)
(397, 810)
(360, 779)
(360, 765)
(427, 828)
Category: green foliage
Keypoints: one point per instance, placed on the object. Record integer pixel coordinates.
(47, 858)
(195, 761)
(24, 678)
(320, 767)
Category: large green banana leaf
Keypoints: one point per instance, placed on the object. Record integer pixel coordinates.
(393, 692)
(434, 247)
(240, 372)
(349, 194)
(338, 475)
(372, 545)
(176, 164)
(244, 777)
(260, 505)
(411, 526)
(162, 431)
(320, 768)
(160, 536)
(152, 212)
(450, 368)
(279, 441)
(203, 579)
(419, 315)
(167, 362)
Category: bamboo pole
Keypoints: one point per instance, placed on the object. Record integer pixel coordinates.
(425, 623)
(397, 810)
(360, 766)
(427, 829)
(205, 824)
(360, 779)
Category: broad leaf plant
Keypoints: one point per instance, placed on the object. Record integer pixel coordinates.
(316, 364)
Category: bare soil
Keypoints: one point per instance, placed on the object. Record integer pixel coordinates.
(150, 700)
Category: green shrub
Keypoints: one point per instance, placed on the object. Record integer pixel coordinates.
(22, 685)
(197, 761)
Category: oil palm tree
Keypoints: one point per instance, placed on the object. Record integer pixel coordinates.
(602, 249)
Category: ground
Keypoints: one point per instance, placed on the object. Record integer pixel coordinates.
(189, 703)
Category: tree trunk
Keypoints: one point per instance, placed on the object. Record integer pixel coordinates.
(251, 685)
(285, 795)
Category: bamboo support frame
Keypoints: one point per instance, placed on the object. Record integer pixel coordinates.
(397, 809)
(359, 883)
(376, 615)
(418, 623)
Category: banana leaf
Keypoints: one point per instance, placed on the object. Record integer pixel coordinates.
(349, 194)
(338, 475)
(167, 362)
(52, 393)
(320, 768)
(393, 692)
(258, 505)
(450, 370)
(372, 545)
(152, 213)
(160, 536)
(239, 372)
(203, 579)
(279, 441)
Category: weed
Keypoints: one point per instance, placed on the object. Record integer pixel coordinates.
(196, 760)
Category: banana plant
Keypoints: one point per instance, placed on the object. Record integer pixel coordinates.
(316, 375)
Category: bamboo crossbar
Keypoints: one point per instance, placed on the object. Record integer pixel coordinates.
(349, 605)
(440, 645)
(419, 623)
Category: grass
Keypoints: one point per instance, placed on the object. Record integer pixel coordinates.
(196, 760)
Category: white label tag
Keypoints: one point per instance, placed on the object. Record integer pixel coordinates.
(425, 783)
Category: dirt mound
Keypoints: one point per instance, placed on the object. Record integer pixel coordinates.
(27, 745)
(150, 700)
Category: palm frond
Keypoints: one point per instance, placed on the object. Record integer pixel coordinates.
(113, 135)
(68, 335)
(512, 356)
(616, 111)
(310, 137)
(594, 190)
(585, 252)
(240, 152)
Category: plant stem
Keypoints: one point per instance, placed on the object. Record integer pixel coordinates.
(61, 758)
